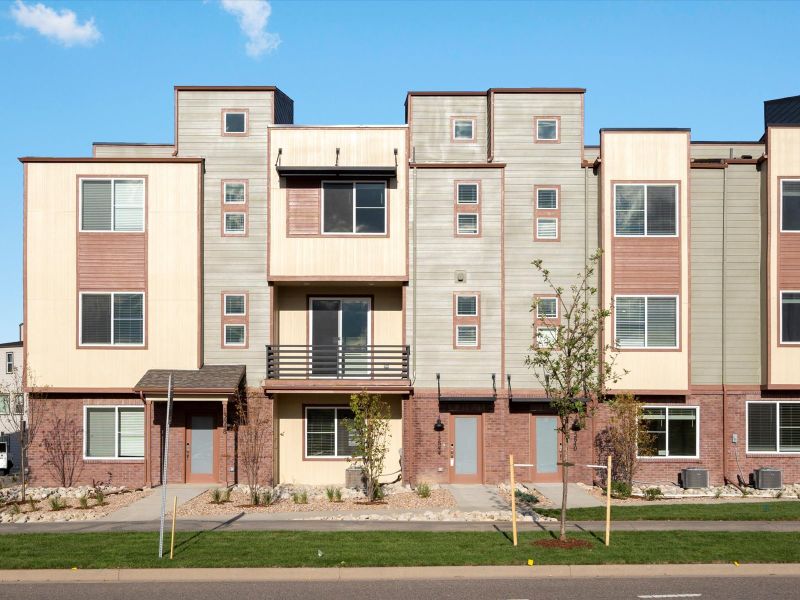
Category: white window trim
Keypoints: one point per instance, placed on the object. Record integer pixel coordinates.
(780, 317)
(225, 114)
(477, 193)
(11, 362)
(462, 120)
(477, 224)
(780, 200)
(116, 456)
(646, 346)
(538, 305)
(669, 457)
(645, 234)
(113, 200)
(225, 193)
(336, 456)
(225, 305)
(540, 328)
(547, 189)
(777, 452)
(558, 129)
(354, 232)
(460, 314)
(477, 334)
(225, 341)
(225, 222)
(546, 237)
(112, 344)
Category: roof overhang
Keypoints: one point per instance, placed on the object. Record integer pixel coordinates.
(338, 172)
(208, 380)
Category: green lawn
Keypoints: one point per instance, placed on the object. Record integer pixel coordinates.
(746, 511)
(301, 549)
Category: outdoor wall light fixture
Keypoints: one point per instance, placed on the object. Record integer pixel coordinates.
(438, 426)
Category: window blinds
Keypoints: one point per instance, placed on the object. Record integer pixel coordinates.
(467, 306)
(761, 427)
(100, 432)
(128, 205)
(467, 193)
(96, 205)
(96, 319)
(131, 432)
(546, 199)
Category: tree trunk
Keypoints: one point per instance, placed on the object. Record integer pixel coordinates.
(564, 476)
(22, 462)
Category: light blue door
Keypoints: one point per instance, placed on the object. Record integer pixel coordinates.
(466, 467)
(201, 453)
(546, 448)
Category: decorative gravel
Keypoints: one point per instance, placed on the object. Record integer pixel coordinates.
(113, 501)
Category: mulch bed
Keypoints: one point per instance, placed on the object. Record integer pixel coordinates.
(568, 544)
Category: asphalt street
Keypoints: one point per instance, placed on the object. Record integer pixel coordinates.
(703, 588)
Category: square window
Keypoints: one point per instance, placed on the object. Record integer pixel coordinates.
(547, 130)
(463, 129)
(646, 321)
(546, 199)
(547, 228)
(112, 205)
(673, 431)
(790, 205)
(467, 193)
(546, 336)
(326, 434)
(354, 208)
(234, 305)
(235, 122)
(467, 224)
(466, 335)
(113, 432)
(547, 308)
(467, 306)
(234, 223)
(234, 192)
(112, 319)
(645, 210)
(234, 335)
(790, 317)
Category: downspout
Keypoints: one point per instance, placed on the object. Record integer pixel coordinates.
(414, 270)
(722, 329)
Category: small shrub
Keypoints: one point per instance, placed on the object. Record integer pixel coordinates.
(15, 509)
(56, 503)
(379, 494)
(653, 493)
(779, 493)
(330, 493)
(254, 496)
(267, 497)
(226, 495)
(525, 497)
(32, 503)
(83, 502)
(423, 490)
(746, 492)
(216, 496)
(300, 497)
(717, 493)
(620, 490)
(337, 495)
(100, 497)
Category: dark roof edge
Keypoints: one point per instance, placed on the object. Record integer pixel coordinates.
(227, 88)
(110, 159)
(725, 143)
(170, 144)
(17, 344)
(782, 99)
(510, 90)
(667, 129)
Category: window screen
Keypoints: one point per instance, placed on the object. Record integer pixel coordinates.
(789, 427)
(646, 322)
(682, 431)
(645, 210)
(547, 308)
(467, 193)
(234, 335)
(463, 129)
(96, 319)
(468, 223)
(662, 322)
(128, 318)
(234, 305)
(234, 222)
(661, 210)
(790, 205)
(629, 319)
(370, 208)
(131, 432)
(790, 316)
(467, 335)
(467, 306)
(96, 205)
(235, 122)
(546, 199)
(234, 193)
(547, 229)
(128, 205)
(546, 129)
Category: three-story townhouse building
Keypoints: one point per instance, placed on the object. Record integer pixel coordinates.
(301, 264)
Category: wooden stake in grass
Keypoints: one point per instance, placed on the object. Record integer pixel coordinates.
(513, 500)
(172, 538)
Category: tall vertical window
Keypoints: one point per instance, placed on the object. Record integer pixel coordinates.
(645, 210)
(673, 431)
(113, 432)
(773, 427)
(112, 319)
(790, 317)
(9, 362)
(112, 205)
(463, 129)
(354, 207)
(790, 205)
(234, 122)
(646, 321)
(466, 320)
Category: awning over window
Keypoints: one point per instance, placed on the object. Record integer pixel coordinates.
(334, 172)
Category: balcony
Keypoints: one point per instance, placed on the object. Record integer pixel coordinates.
(337, 367)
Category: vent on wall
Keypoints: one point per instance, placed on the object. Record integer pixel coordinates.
(766, 478)
(693, 478)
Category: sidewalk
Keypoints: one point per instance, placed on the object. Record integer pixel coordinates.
(577, 497)
(477, 498)
(337, 574)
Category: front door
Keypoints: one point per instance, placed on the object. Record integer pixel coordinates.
(544, 449)
(466, 449)
(340, 337)
(201, 448)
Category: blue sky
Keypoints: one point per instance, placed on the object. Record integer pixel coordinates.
(104, 71)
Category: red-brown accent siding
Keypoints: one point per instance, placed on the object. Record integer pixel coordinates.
(303, 205)
(643, 265)
(112, 261)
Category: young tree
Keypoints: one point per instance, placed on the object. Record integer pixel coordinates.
(626, 437)
(24, 417)
(369, 436)
(253, 435)
(569, 359)
(63, 448)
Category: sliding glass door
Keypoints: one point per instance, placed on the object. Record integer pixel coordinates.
(340, 337)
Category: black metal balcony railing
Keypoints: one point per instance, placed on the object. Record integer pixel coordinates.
(337, 362)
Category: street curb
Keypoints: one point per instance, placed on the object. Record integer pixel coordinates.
(335, 574)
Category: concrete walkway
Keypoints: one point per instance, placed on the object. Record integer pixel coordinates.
(477, 498)
(149, 507)
(577, 497)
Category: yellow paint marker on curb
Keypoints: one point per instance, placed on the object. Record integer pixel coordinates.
(530, 562)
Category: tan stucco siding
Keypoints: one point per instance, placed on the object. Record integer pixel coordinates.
(649, 156)
(171, 300)
(292, 465)
(353, 256)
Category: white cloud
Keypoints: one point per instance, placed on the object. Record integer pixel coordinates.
(59, 26)
(253, 16)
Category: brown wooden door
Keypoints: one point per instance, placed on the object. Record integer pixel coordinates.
(545, 449)
(466, 449)
(202, 447)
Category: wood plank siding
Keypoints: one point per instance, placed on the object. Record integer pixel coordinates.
(112, 261)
